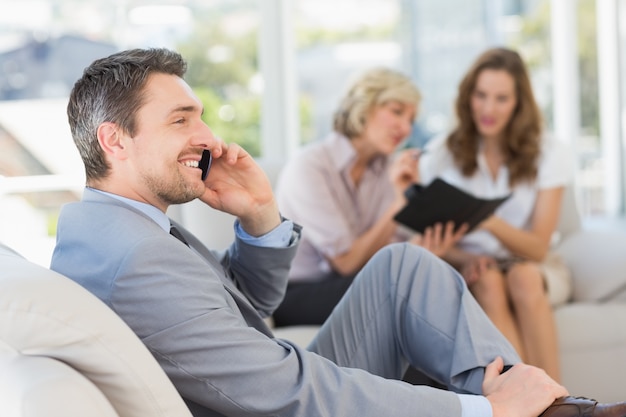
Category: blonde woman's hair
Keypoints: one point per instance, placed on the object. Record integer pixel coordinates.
(373, 88)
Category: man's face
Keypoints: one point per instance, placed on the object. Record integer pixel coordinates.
(163, 156)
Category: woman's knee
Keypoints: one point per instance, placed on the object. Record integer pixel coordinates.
(490, 290)
(525, 283)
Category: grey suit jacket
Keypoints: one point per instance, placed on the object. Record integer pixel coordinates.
(201, 317)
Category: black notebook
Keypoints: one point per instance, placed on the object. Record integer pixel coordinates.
(440, 202)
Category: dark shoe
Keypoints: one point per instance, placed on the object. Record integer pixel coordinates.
(583, 407)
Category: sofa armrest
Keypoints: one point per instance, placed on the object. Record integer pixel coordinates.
(32, 386)
(597, 262)
(45, 314)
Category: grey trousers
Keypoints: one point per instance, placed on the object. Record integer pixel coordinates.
(408, 307)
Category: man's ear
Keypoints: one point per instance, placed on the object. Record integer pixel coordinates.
(111, 140)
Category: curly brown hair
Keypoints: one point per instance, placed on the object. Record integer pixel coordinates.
(523, 132)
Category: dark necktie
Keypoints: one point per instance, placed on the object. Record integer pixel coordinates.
(174, 232)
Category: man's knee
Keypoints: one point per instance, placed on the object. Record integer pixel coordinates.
(405, 259)
(405, 250)
(410, 269)
(389, 262)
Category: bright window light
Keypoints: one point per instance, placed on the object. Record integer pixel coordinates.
(160, 15)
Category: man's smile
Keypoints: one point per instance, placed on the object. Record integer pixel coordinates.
(190, 163)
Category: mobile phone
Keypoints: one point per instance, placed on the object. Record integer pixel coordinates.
(205, 163)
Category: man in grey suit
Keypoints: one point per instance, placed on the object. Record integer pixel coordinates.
(138, 128)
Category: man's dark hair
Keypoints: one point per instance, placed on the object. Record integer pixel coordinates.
(111, 89)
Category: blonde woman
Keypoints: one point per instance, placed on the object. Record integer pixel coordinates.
(345, 191)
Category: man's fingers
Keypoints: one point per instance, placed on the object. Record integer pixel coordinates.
(218, 148)
(493, 370)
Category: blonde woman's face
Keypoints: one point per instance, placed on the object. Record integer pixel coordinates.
(493, 102)
(388, 125)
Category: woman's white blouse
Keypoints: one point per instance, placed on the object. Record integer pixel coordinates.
(555, 169)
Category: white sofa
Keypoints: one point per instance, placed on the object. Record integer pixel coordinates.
(592, 325)
(64, 353)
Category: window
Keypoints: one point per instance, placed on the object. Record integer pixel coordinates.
(334, 41)
(44, 46)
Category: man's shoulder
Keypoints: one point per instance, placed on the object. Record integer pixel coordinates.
(95, 239)
(87, 230)
(102, 214)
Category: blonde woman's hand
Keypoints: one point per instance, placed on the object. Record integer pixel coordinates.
(404, 170)
(439, 239)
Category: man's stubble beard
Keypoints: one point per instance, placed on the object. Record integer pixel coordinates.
(173, 190)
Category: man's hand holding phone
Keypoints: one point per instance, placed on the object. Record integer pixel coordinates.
(237, 185)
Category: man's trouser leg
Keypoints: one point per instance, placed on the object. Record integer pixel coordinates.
(409, 307)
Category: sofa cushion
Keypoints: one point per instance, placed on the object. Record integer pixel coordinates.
(34, 386)
(45, 314)
(598, 265)
(592, 339)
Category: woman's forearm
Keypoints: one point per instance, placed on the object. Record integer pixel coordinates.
(522, 243)
(366, 245)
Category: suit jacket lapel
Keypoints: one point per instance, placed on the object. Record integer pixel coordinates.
(250, 314)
